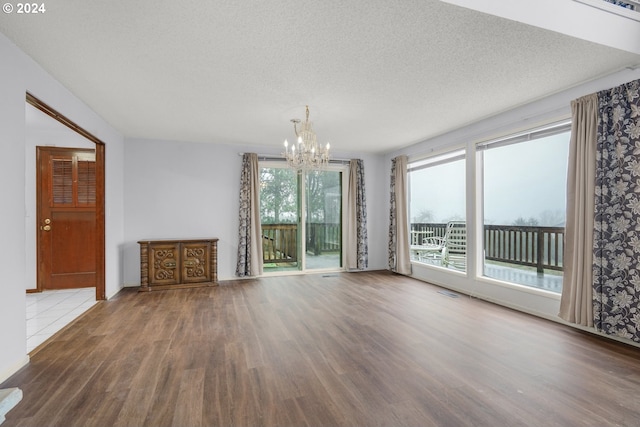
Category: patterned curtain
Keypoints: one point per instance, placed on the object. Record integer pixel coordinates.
(249, 233)
(357, 242)
(616, 246)
(399, 257)
(621, 3)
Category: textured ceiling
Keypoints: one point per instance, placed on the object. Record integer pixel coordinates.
(377, 75)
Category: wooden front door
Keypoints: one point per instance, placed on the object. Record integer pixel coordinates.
(66, 179)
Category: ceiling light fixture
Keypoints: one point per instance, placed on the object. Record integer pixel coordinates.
(305, 154)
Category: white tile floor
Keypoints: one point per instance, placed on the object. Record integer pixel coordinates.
(50, 311)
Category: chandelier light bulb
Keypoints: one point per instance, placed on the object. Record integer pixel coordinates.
(286, 144)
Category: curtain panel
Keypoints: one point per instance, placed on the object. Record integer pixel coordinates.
(357, 251)
(601, 286)
(399, 256)
(616, 245)
(576, 303)
(249, 261)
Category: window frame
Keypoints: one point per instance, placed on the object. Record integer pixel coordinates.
(335, 166)
(532, 133)
(437, 158)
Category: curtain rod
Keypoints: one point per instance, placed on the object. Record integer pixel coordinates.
(275, 157)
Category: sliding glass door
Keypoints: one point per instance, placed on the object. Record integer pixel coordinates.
(279, 217)
(323, 219)
(301, 217)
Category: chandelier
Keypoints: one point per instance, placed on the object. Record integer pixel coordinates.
(306, 154)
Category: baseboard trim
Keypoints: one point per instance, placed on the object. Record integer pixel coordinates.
(15, 368)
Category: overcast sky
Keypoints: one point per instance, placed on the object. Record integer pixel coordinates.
(521, 180)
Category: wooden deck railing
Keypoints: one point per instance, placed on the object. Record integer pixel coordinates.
(539, 247)
(280, 241)
(533, 246)
(323, 237)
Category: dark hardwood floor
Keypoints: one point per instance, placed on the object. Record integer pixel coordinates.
(358, 349)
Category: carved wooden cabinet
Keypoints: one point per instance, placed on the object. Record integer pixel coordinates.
(173, 264)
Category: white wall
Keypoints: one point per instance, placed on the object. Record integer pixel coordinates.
(556, 107)
(180, 190)
(191, 190)
(12, 251)
(19, 74)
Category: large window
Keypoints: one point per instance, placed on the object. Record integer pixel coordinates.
(437, 210)
(524, 187)
(520, 188)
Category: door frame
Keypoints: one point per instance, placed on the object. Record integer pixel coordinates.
(100, 191)
(337, 166)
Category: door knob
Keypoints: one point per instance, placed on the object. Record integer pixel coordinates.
(47, 227)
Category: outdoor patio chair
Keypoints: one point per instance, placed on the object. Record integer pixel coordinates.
(448, 251)
(425, 246)
(429, 249)
(454, 252)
